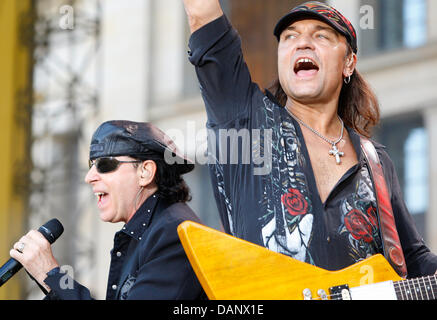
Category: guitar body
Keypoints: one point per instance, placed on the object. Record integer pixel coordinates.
(229, 268)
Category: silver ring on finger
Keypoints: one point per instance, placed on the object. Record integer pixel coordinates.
(20, 247)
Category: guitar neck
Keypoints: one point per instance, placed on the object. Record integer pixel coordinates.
(424, 288)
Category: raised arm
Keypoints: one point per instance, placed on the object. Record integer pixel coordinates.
(201, 12)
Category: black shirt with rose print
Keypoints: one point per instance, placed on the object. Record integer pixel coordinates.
(275, 202)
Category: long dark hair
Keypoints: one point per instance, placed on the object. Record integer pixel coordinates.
(171, 185)
(358, 105)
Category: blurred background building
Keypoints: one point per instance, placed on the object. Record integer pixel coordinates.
(68, 65)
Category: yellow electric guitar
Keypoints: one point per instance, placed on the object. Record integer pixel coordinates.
(229, 268)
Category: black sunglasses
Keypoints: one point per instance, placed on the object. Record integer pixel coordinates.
(108, 164)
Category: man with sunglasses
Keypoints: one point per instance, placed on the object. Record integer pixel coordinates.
(134, 184)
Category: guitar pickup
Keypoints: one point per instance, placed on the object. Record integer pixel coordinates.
(340, 292)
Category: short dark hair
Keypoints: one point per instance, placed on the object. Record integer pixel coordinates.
(171, 186)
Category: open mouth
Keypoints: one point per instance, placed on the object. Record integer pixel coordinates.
(100, 197)
(305, 67)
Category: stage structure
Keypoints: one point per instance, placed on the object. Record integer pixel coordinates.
(66, 101)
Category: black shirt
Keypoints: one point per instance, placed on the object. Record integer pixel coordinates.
(274, 202)
(147, 260)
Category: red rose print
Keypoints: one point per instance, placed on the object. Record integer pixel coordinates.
(295, 202)
(359, 227)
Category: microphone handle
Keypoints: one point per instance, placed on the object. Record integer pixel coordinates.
(8, 270)
(51, 230)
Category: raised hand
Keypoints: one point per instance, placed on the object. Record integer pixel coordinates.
(201, 12)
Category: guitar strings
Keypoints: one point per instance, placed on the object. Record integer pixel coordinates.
(403, 288)
(411, 289)
(421, 284)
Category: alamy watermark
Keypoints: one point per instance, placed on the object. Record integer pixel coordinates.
(67, 280)
(224, 146)
(66, 20)
(367, 17)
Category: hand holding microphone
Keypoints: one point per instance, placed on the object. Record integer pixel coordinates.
(34, 253)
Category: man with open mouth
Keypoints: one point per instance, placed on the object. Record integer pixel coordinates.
(134, 183)
(320, 202)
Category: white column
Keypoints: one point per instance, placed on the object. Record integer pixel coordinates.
(431, 216)
(125, 53)
(432, 21)
(125, 48)
(168, 51)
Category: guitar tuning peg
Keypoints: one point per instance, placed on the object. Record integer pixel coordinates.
(322, 294)
(307, 295)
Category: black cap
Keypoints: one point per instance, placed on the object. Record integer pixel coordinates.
(322, 12)
(137, 140)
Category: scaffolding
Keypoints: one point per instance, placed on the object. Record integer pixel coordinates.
(66, 97)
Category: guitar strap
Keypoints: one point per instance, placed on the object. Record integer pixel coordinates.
(390, 238)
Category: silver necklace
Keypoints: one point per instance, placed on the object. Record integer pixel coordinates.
(334, 151)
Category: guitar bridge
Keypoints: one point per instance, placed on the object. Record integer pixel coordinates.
(340, 292)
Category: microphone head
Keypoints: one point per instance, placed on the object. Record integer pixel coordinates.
(51, 230)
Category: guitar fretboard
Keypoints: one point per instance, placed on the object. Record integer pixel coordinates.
(424, 288)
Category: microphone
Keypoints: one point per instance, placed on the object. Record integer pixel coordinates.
(51, 230)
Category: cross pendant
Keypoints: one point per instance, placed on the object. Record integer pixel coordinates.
(337, 154)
